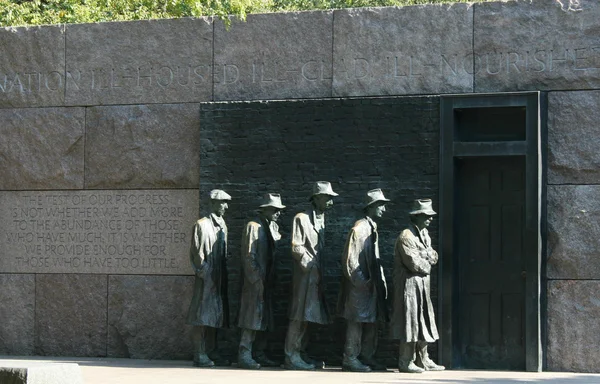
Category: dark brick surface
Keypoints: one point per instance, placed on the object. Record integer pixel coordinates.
(251, 148)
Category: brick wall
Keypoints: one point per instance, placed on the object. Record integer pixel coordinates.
(250, 148)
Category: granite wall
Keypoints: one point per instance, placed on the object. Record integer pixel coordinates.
(108, 132)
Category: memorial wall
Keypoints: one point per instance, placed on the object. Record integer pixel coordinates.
(113, 134)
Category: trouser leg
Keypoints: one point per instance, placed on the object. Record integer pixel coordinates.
(353, 340)
(210, 339)
(406, 358)
(294, 338)
(199, 340)
(423, 360)
(247, 340)
(369, 340)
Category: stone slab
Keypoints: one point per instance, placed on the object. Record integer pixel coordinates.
(143, 146)
(274, 56)
(573, 337)
(41, 148)
(148, 61)
(32, 66)
(406, 50)
(117, 232)
(17, 313)
(573, 141)
(573, 228)
(40, 373)
(146, 317)
(70, 315)
(537, 45)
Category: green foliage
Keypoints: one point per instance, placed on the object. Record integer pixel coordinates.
(36, 12)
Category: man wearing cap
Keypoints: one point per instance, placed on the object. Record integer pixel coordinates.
(259, 239)
(362, 300)
(413, 321)
(308, 303)
(209, 307)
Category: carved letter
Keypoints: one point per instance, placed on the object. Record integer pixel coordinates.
(361, 68)
(306, 73)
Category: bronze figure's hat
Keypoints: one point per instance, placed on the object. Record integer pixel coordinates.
(424, 206)
(373, 196)
(218, 194)
(322, 188)
(272, 200)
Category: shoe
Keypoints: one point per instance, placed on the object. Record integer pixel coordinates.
(319, 364)
(374, 365)
(264, 361)
(219, 360)
(429, 365)
(246, 361)
(410, 368)
(202, 361)
(297, 364)
(354, 365)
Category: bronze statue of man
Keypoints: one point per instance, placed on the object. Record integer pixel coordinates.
(209, 307)
(256, 308)
(362, 300)
(413, 321)
(308, 303)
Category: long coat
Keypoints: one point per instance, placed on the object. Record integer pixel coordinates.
(413, 317)
(364, 290)
(209, 306)
(256, 303)
(308, 296)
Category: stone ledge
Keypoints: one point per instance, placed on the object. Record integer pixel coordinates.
(40, 373)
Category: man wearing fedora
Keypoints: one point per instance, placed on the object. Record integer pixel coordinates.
(413, 321)
(362, 300)
(209, 308)
(308, 303)
(256, 315)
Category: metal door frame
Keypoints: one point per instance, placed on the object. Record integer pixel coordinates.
(534, 102)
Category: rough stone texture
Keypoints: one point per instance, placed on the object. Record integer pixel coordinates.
(125, 232)
(574, 308)
(70, 315)
(573, 228)
(537, 45)
(32, 66)
(274, 56)
(143, 146)
(150, 61)
(17, 307)
(146, 317)
(40, 373)
(573, 156)
(283, 147)
(408, 50)
(41, 148)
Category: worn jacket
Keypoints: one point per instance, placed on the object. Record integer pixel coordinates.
(412, 316)
(209, 306)
(308, 297)
(364, 290)
(258, 245)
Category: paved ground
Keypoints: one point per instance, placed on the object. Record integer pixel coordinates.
(129, 371)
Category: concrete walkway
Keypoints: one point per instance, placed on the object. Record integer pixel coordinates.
(130, 371)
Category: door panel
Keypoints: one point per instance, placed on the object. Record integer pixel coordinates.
(489, 249)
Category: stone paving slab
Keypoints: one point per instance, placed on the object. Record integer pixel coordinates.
(129, 371)
(28, 372)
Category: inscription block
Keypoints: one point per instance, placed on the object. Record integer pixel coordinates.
(537, 45)
(573, 241)
(146, 317)
(274, 56)
(574, 309)
(573, 139)
(150, 61)
(17, 307)
(127, 232)
(407, 50)
(143, 146)
(70, 315)
(41, 148)
(32, 66)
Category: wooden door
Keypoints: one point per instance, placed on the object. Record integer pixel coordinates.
(489, 230)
